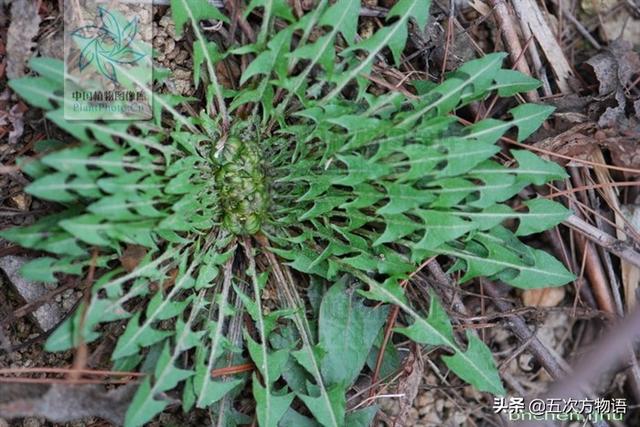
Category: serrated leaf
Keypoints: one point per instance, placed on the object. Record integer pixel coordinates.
(529, 117)
(37, 91)
(316, 405)
(270, 408)
(510, 82)
(543, 215)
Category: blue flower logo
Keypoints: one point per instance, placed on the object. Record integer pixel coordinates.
(107, 44)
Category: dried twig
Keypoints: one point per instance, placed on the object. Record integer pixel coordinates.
(511, 40)
(621, 248)
(531, 15)
(593, 265)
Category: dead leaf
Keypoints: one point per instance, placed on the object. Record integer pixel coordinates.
(625, 152)
(24, 25)
(132, 256)
(614, 70)
(577, 142)
(16, 119)
(621, 24)
(545, 297)
(409, 385)
(228, 72)
(62, 403)
(20, 201)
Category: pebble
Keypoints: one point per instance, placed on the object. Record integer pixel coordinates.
(47, 315)
(32, 422)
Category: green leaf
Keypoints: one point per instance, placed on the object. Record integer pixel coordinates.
(43, 269)
(393, 36)
(347, 329)
(270, 408)
(166, 374)
(316, 405)
(37, 91)
(437, 330)
(533, 169)
(183, 11)
(88, 228)
(151, 406)
(57, 187)
(543, 215)
(361, 417)
(476, 74)
(482, 373)
(510, 82)
(539, 271)
(271, 404)
(50, 68)
(143, 334)
(529, 117)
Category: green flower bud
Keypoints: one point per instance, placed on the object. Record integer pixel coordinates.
(240, 184)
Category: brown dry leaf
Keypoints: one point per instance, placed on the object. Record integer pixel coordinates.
(15, 117)
(132, 256)
(20, 201)
(577, 142)
(625, 152)
(593, 7)
(24, 25)
(170, 280)
(624, 23)
(228, 72)
(545, 297)
(615, 69)
(409, 385)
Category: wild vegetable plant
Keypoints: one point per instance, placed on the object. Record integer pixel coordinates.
(299, 187)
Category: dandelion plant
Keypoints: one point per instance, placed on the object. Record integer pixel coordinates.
(298, 182)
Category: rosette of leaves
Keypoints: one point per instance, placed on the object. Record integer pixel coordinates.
(301, 181)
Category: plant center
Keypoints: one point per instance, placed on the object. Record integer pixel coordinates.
(241, 186)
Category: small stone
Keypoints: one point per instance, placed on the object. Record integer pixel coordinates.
(543, 297)
(47, 315)
(183, 55)
(471, 392)
(525, 362)
(459, 418)
(413, 414)
(172, 55)
(144, 16)
(68, 303)
(21, 201)
(31, 422)
(422, 401)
